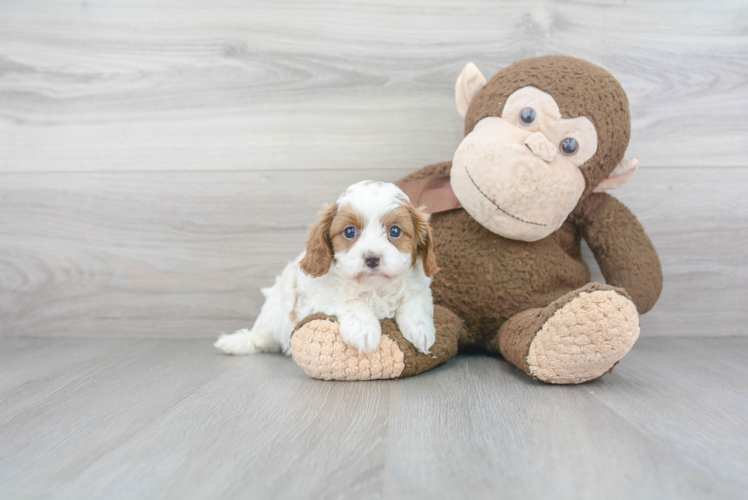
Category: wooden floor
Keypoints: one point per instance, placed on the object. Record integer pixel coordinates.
(147, 418)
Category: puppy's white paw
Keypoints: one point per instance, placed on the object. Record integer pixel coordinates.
(243, 342)
(362, 332)
(419, 332)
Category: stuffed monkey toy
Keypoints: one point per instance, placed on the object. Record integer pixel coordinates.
(544, 139)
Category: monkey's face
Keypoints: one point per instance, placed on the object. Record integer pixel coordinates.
(519, 174)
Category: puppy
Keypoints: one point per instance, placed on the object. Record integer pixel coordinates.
(370, 257)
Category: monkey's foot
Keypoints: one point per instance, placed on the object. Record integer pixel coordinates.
(585, 338)
(577, 338)
(318, 348)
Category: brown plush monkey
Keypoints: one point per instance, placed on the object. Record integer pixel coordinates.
(544, 138)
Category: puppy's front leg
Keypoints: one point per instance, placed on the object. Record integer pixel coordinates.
(360, 328)
(415, 318)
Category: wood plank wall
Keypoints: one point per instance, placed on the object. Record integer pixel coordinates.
(160, 161)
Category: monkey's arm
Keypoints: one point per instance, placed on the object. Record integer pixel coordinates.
(624, 252)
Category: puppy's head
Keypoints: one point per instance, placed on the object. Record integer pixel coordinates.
(373, 232)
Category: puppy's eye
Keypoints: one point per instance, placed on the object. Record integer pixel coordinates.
(350, 232)
(527, 116)
(395, 232)
(569, 146)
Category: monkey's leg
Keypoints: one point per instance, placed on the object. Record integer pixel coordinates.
(318, 348)
(577, 338)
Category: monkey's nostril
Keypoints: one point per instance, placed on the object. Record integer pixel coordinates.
(541, 147)
(372, 261)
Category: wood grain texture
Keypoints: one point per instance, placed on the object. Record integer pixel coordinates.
(159, 163)
(185, 254)
(157, 418)
(106, 85)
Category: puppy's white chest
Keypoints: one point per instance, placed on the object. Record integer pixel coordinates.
(383, 302)
(331, 294)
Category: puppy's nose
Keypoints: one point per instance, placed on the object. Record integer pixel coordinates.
(372, 260)
(541, 146)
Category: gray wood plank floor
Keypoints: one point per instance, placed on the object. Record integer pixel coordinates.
(160, 418)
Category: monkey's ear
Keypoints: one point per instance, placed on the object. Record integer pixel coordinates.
(619, 176)
(470, 81)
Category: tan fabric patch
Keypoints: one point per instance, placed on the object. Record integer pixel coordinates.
(584, 339)
(319, 350)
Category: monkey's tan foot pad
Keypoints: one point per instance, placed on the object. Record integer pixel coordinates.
(585, 338)
(318, 348)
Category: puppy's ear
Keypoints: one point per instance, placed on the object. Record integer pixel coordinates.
(319, 250)
(424, 240)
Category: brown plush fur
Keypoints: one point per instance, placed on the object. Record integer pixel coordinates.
(580, 89)
(449, 330)
(486, 279)
(505, 290)
(626, 256)
(517, 333)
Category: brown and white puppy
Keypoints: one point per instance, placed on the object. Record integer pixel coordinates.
(370, 257)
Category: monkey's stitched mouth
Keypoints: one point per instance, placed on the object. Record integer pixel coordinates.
(497, 205)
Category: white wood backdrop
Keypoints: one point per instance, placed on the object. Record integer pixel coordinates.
(160, 161)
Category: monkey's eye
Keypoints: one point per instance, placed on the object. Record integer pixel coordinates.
(527, 116)
(350, 232)
(569, 146)
(395, 232)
